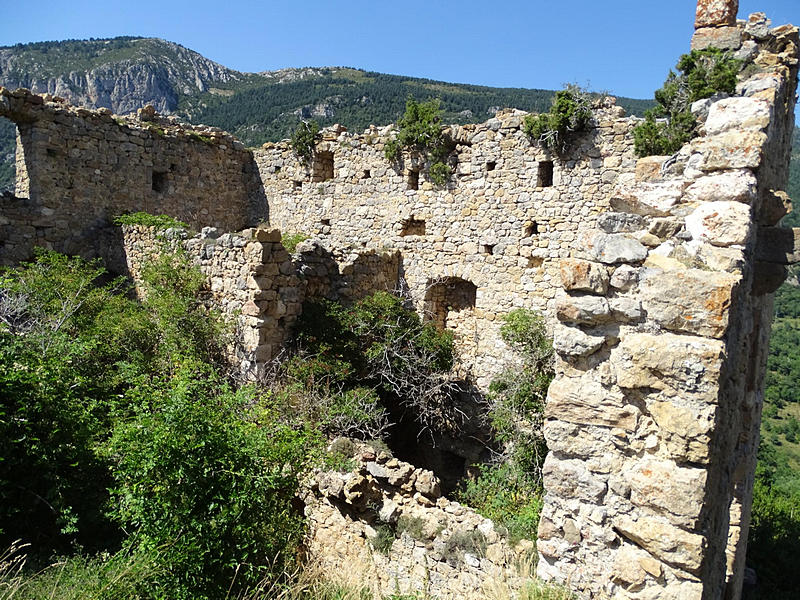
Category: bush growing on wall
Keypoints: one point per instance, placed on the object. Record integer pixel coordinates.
(569, 113)
(420, 130)
(670, 124)
(304, 140)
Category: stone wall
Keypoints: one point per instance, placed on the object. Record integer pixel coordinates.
(250, 278)
(652, 420)
(499, 227)
(79, 168)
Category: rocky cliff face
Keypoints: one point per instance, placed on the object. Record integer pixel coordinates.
(120, 75)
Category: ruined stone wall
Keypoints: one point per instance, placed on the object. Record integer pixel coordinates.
(250, 278)
(78, 169)
(508, 214)
(385, 526)
(652, 420)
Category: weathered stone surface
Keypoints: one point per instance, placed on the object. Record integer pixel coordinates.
(673, 491)
(571, 341)
(774, 206)
(671, 544)
(571, 479)
(738, 113)
(739, 185)
(715, 13)
(620, 222)
(647, 198)
(691, 300)
(723, 223)
(724, 38)
(670, 363)
(624, 277)
(684, 430)
(731, 150)
(583, 309)
(649, 168)
(583, 276)
(587, 402)
(615, 248)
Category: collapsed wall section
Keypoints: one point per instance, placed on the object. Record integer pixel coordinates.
(652, 419)
(77, 169)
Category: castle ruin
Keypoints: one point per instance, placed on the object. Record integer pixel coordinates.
(656, 276)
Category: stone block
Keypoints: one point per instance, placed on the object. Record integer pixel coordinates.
(649, 168)
(692, 300)
(739, 185)
(731, 150)
(669, 543)
(737, 114)
(675, 364)
(722, 223)
(614, 248)
(585, 401)
(583, 276)
(673, 491)
(683, 431)
(571, 479)
(724, 38)
(573, 342)
(715, 13)
(587, 310)
(647, 198)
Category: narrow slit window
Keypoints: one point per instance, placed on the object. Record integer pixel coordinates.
(159, 181)
(531, 228)
(298, 185)
(491, 165)
(413, 180)
(322, 166)
(488, 249)
(545, 175)
(367, 174)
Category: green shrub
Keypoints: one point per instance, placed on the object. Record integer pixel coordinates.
(420, 130)
(290, 241)
(304, 140)
(464, 542)
(670, 124)
(570, 113)
(147, 220)
(383, 539)
(413, 526)
(207, 481)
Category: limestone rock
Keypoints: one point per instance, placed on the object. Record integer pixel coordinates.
(676, 492)
(739, 185)
(583, 276)
(615, 248)
(731, 150)
(692, 300)
(647, 198)
(737, 114)
(672, 363)
(620, 222)
(649, 168)
(571, 341)
(684, 430)
(724, 38)
(583, 309)
(667, 542)
(624, 277)
(578, 401)
(571, 479)
(723, 223)
(715, 13)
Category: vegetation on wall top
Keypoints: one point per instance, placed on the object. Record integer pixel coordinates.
(670, 124)
(569, 113)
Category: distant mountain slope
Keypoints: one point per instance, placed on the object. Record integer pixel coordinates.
(126, 73)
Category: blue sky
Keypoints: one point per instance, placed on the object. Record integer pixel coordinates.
(622, 46)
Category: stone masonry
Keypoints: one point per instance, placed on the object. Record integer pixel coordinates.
(656, 277)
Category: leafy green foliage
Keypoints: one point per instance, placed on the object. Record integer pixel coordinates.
(420, 130)
(509, 491)
(304, 140)
(701, 74)
(569, 113)
(148, 220)
(379, 344)
(207, 481)
(290, 240)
